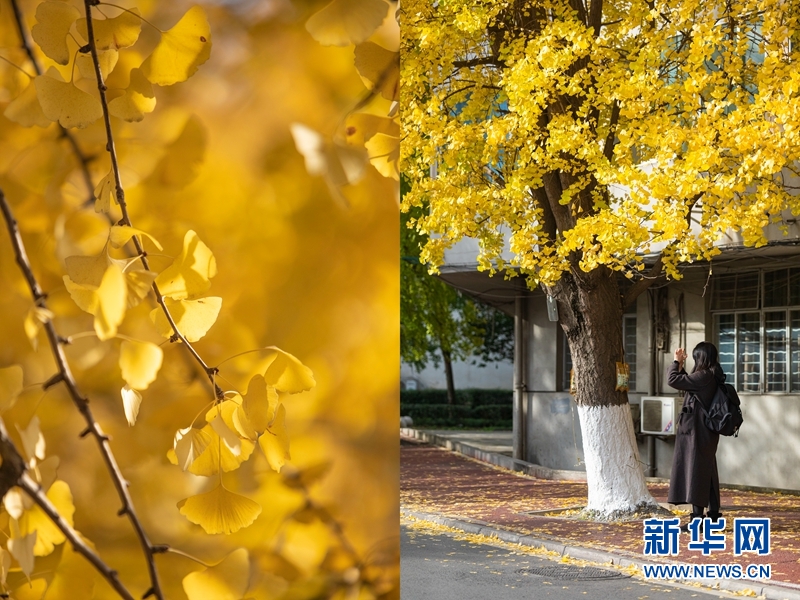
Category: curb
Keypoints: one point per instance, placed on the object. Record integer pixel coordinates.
(769, 591)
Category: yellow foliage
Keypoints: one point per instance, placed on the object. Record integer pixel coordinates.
(220, 510)
(226, 580)
(181, 50)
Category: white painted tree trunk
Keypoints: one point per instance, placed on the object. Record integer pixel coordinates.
(613, 470)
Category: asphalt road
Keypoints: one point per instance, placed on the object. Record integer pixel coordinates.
(440, 567)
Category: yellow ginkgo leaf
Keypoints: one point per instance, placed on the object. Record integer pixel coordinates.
(189, 444)
(381, 67)
(105, 192)
(111, 303)
(21, 548)
(10, 385)
(287, 374)
(362, 126)
(87, 270)
(85, 296)
(35, 519)
(189, 274)
(13, 503)
(115, 33)
(45, 471)
(34, 321)
(53, 22)
(181, 50)
(340, 164)
(5, 566)
(306, 544)
(120, 235)
(73, 577)
(131, 401)
(345, 22)
(259, 403)
(32, 439)
(220, 511)
(228, 436)
(182, 157)
(274, 441)
(139, 362)
(193, 317)
(26, 110)
(106, 58)
(139, 283)
(384, 154)
(216, 455)
(226, 580)
(61, 101)
(137, 101)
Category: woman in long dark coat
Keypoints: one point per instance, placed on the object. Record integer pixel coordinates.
(694, 477)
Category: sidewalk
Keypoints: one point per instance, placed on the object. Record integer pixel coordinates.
(451, 489)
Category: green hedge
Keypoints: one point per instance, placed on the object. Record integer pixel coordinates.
(473, 408)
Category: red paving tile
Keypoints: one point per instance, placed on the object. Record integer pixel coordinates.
(439, 481)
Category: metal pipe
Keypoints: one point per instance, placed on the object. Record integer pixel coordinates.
(519, 378)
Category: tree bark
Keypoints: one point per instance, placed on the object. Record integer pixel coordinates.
(448, 372)
(590, 311)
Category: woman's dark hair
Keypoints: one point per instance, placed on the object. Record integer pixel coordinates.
(705, 357)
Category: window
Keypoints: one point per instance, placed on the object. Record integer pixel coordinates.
(756, 318)
(629, 341)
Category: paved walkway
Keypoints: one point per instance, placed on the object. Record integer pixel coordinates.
(438, 484)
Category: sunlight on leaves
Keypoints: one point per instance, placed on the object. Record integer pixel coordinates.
(181, 50)
(120, 235)
(10, 385)
(345, 22)
(105, 192)
(32, 439)
(287, 374)
(61, 101)
(189, 444)
(193, 317)
(275, 442)
(53, 22)
(34, 321)
(136, 102)
(107, 59)
(26, 110)
(139, 363)
(226, 580)
(384, 154)
(36, 521)
(190, 273)
(13, 503)
(111, 303)
(220, 510)
(381, 67)
(229, 438)
(21, 548)
(131, 401)
(259, 404)
(114, 33)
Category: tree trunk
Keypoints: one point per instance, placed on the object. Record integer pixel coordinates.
(448, 373)
(590, 311)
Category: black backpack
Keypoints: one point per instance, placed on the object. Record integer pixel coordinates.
(724, 415)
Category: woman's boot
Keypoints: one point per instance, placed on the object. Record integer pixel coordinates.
(692, 517)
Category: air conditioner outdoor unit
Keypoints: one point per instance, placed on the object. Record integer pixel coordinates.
(660, 414)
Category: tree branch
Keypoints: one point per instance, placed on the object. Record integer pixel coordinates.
(83, 160)
(120, 196)
(608, 147)
(80, 401)
(476, 62)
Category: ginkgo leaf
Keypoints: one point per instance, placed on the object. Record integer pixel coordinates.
(61, 101)
(104, 192)
(114, 33)
(189, 445)
(228, 436)
(192, 317)
(131, 401)
(10, 385)
(259, 403)
(182, 158)
(345, 22)
(35, 519)
(73, 577)
(32, 439)
(107, 59)
(139, 362)
(137, 100)
(220, 510)
(85, 296)
(384, 154)
(13, 504)
(21, 548)
(45, 471)
(120, 235)
(339, 163)
(274, 442)
(181, 50)
(34, 321)
(362, 126)
(53, 22)
(242, 425)
(287, 374)
(111, 303)
(381, 67)
(26, 110)
(189, 274)
(5, 566)
(139, 282)
(227, 580)
(216, 455)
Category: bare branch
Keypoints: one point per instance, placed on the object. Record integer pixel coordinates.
(80, 401)
(120, 196)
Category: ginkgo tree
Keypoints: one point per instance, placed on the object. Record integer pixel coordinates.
(112, 288)
(599, 138)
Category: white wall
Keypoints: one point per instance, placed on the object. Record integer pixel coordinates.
(495, 375)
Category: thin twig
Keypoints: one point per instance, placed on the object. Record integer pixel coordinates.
(34, 490)
(80, 401)
(83, 160)
(120, 196)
